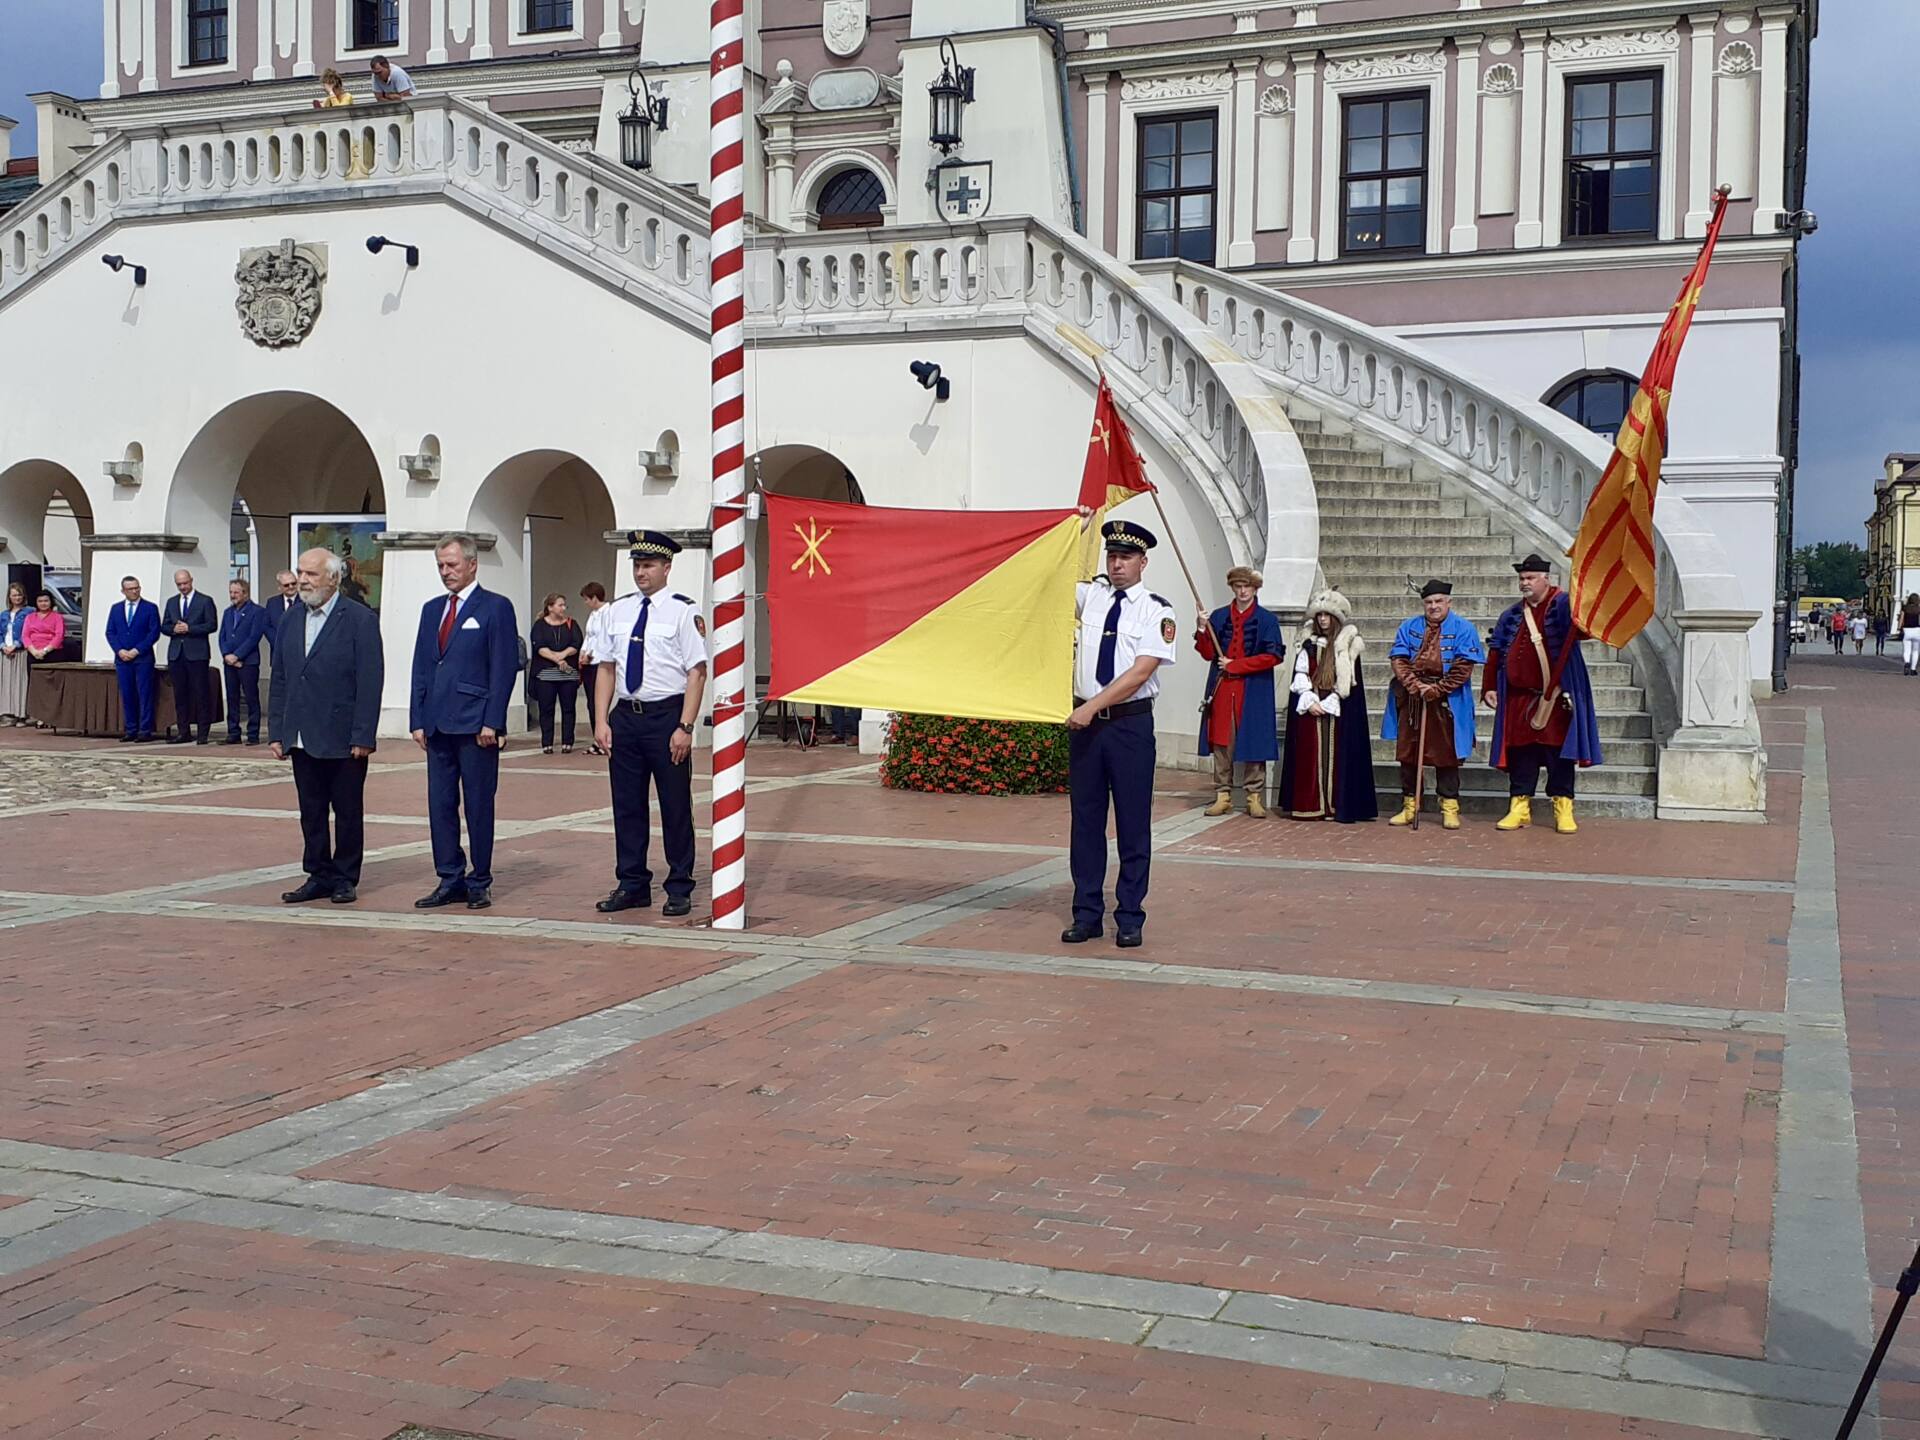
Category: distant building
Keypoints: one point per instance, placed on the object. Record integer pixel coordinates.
(18, 178)
(1893, 535)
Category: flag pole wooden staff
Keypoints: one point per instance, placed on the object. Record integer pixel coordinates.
(726, 295)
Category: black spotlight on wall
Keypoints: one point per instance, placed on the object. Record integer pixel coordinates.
(930, 378)
(377, 243)
(117, 263)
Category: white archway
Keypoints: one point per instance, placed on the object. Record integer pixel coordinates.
(551, 512)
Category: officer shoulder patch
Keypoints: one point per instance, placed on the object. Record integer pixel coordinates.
(700, 625)
(1166, 628)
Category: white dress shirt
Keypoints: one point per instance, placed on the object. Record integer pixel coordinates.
(1147, 627)
(316, 621)
(674, 645)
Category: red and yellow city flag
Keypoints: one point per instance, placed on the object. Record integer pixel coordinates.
(1613, 562)
(1114, 470)
(930, 612)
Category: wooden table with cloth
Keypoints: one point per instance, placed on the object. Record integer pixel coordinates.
(85, 699)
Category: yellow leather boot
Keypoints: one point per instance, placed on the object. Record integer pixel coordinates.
(1519, 814)
(1256, 807)
(1449, 814)
(1408, 809)
(1223, 802)
(1563, 815)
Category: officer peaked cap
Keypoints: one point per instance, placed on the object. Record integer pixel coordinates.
(651, 544)
(1125, 536)
(1435, 587)
(1533, 564)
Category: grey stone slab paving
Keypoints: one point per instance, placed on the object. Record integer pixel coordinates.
(1355, 1359)
(1678, 1405)
(71, 1233)
(1470, 872)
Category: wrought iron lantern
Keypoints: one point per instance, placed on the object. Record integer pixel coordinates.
(949, 96)
(643, 117)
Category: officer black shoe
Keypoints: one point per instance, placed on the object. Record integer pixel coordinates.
(1129, 939)
(681, 906)
(126, 739)
(312, 890)
(1078, 934)
(346, 895)
(618, 900)
(444, 895)
(480, 898)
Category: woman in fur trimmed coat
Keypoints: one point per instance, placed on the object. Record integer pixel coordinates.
(1327, 772)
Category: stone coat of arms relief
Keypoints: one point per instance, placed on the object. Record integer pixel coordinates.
(279, 292)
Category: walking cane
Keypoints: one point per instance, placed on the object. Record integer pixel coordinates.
(1908, 1283)
(1420, 766)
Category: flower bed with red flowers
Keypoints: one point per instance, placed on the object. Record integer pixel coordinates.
(974, 757)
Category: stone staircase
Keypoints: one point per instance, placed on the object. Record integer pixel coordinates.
(1378, 526)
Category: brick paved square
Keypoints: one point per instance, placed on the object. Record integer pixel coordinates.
(150, 1035)
(1609, 942)
(1566, 1175)
(102, 852)
(196, 1333)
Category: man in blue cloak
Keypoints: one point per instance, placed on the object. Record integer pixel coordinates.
(1239, 725)
(1431, 698)
(1537, 681)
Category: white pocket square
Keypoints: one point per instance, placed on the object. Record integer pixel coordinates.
(470, 624)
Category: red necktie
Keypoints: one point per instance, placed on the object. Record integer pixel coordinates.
(446, 622)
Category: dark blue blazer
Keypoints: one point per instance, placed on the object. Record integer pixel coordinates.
(469, 687)
(331, 698)
(201, 621)
(140, 635)
(276, 607)
(242, 629)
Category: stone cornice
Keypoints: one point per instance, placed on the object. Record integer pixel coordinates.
(142, 540)
(429, 539)
(1555, 260)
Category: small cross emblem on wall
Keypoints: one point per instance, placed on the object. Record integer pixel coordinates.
(961, 194)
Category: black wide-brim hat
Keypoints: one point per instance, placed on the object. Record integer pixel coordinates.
(1128, 538)
(1533, 564)
(651, 545)
(1435, 587)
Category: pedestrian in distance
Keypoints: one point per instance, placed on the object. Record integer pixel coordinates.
(13, 656)
(653, 674)
(1239, 724)
(1910, 635)
(555, 642)
(241, 630)
(1837, 629)
(593, 595)
(1857, 627)
(466, 663)
(188, 623)
(1536, 681)
(1429, 705)
(323, 715)
(1879, 634)
(1126, 633)
(133, 629)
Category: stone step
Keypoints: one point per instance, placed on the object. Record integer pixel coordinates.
(1393, 509)
(1350, 481)
(1602, 779)
(1604, 674)
(1318, 457)
(1388, 535)
(1373, 572)
(1425, 547)
(1630, 753)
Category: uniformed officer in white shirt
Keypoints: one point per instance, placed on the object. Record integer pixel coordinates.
(652, 673)
(1126, 634)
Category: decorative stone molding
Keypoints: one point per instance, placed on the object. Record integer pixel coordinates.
(1500, 80)
(843, 26)
(279, 297)
(123, 472)
(1177, 87)
(853, 88)
(1275, 100)
(142, 540)
(660, 464)
(1738, 59)
(429, 539)
(1386, 67)
(695, 539)
(1606, 47)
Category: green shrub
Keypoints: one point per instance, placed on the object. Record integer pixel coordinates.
(974, 757)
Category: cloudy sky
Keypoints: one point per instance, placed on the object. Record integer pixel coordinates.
(1860, 340)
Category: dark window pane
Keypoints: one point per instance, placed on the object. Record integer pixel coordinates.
(1631, 215)
(1363, 232)
(1196, 210)
(1156, 245)
(853, 195)
(1405, 192)
(1612, 157)
(1363, 154)
(1405, 152)
(1405, 229)
(1632, 177)
(1158, 215)
(549, 14)
(1407, 117)
(1633, 132)
(1599, 402)
(1196, 134)
(1363, 194)
(1634, 97)
(1590, 137)
(1156, 172)
(1158, 140)
(1591, 101)
(1196, 169)
(1364, 119)
(1175, 183)
(1197, 245)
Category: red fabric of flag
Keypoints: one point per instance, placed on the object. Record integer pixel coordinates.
(1114, 470)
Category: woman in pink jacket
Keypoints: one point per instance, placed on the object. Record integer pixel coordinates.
(45, 630)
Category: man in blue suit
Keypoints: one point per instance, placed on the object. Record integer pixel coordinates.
(323, 712)
(133, 628)
(278, 605)
(187, 622)
(466, 664)
(241, 630)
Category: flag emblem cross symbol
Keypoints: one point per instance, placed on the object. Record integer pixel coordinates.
(812, 538)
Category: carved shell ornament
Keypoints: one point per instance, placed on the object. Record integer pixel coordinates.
(1501, 80)
(1276, 101)
(1738, 59)
(279, 293)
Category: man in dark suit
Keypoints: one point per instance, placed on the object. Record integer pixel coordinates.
(465, 667)
(323, 710)
(133, 628)
(187, 622)
(277, 605)
(241, 630)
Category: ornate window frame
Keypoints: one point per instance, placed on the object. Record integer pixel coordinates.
(1349, 76)
(343, 46)
(183, 50)
(519, 34)
(802, 217)
(1573, 57)
(1146, 96)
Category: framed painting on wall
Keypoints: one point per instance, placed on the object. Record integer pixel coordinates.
(351, 537)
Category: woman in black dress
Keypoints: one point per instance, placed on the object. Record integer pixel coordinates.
(555, 643)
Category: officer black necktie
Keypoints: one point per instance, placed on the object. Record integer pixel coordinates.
(1109, 637)
(637, 649)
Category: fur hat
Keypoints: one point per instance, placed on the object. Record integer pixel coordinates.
(1333, 603)
(1244, 575)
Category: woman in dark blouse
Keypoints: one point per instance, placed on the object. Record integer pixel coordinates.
(555, 643)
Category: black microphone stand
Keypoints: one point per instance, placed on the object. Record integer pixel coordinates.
(1908, 1283)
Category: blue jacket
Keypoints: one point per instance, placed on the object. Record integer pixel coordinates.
(141, 635)
(468, 688)
(330, 698)
(201, 620)
(1258, 737)
(1582, 744)
(276, 607)
(242, 629)
(1458, 641)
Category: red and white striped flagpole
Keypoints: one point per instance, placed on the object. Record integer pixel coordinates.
(729, 472)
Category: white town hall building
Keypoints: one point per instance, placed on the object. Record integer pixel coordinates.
(1372, 280)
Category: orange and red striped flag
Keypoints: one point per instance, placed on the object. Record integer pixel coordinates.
(1613, 562)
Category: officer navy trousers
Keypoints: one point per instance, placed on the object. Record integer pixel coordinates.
(1111, 758)
(640, 755)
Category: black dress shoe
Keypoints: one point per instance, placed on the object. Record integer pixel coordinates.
(1078, 934)
(144, 739)
(126, 739)
(203, 740)
(312, 890)
(445, 895)
(228, 740)
(681, 906)
(480, 899)
(618, 900)
(346, 895)
(1129, 939)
